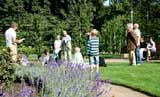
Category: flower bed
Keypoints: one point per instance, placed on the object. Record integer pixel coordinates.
(65, 80)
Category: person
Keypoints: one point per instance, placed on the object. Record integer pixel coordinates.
(93, 49)
(137, 50)
(131, 43)
(143, 46)
(78, 58)
(11, 41)
(46, 59)
(57, 47)
(151, 47)
(66, 41)
(39, 58)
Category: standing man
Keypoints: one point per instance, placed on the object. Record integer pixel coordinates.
(11, 41)
(66, 41)
(131, 43)
(137, 52)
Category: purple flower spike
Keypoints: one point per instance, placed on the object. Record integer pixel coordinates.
(62, 79)
(1, 92)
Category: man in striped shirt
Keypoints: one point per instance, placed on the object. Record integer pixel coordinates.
(93, 49)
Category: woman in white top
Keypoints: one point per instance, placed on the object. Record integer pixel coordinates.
(151, 47)
(57, 47)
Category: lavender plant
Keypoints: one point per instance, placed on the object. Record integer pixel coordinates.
(61, 80)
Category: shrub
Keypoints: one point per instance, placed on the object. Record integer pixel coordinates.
(6, 68)
(26, 50)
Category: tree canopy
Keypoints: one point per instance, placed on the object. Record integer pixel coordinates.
(41, 20)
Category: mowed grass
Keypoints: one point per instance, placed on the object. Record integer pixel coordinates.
(144, 78)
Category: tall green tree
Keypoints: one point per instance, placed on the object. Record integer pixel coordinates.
(113, 37)
(10, 10)
(41, 20)
(80, 16)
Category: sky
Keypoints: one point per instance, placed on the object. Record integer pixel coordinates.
(106, 3)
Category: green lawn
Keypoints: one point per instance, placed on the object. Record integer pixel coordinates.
(144, 78)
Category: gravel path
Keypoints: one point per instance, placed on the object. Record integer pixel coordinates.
(120, 91)
(124, 60)
(116, 60)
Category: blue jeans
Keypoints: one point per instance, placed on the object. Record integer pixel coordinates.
(138, 57)
(94, 60)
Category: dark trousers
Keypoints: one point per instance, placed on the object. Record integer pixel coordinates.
(58, 56)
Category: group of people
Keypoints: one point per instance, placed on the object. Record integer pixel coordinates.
(148, 47)
(58, 44)
(92, 48)
(136, 45)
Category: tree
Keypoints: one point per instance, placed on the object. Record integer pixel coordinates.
(42, 20)
(10, 10)
(113, 35)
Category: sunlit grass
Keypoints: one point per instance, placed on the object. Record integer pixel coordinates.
(144, 78)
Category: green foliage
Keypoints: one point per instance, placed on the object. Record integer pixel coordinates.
(2, 40)
(26, 50)
(41, 20)
(146, 13)
(6, 68)
(33, 57)
(114, 32)
(79, 18)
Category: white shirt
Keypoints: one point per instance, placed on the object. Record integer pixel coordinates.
(152, 46)
(78, 58)
(67, 40)
(9, 35)
(57, 45)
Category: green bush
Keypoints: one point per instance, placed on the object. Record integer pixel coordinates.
(26, 50)
(6, 68)
(31, 50)
(2, 40)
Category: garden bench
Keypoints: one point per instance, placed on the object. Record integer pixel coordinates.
(156, 55)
